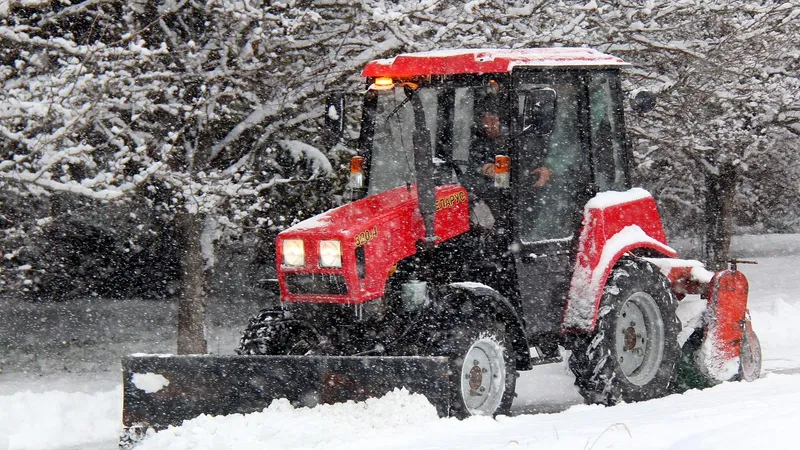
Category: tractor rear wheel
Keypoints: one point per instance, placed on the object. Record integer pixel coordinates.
(484, 367)
(631, 356)
(270, 333)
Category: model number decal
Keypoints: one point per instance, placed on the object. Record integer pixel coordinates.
(366, 236)
(451, 200)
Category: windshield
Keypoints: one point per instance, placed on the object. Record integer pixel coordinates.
(465, 127)
(392, 163)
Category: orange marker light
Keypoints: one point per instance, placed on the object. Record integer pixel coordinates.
(382, 83)
(502, 171)
(357, 172)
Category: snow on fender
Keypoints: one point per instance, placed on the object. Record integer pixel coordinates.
(613, 223)
(149, 382)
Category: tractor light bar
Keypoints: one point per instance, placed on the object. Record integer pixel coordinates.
(357, 172)
(294, 254)
(502, 171)
(330, 253)
(382, 84)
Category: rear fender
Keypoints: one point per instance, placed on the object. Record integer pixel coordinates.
(614, 223)
(482, 297)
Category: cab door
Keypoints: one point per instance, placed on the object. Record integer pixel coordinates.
(547, 215)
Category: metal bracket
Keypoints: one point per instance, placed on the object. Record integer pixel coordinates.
(734, 262)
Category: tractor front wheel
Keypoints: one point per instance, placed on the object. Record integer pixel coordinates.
(633, 352)
(483, 367)
(270, 333)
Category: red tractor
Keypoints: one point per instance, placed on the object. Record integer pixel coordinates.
(492, 223)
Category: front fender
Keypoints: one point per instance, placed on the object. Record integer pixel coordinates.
(485, 298)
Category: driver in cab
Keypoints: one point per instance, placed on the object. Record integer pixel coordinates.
(490, 135)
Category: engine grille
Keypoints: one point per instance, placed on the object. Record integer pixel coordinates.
(316, 283)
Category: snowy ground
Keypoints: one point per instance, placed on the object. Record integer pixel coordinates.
(67, 396)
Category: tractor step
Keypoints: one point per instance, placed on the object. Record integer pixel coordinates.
(545, 355)
(546, 360)
(165, 390)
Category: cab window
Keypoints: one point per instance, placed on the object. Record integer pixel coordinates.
(606, 132)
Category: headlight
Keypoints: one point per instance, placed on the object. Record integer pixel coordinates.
(330, 254)
(294, 254)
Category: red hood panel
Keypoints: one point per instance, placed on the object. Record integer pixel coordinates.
(386, 225)
(356, 214)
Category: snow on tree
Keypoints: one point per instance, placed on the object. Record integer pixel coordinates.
(90, 107)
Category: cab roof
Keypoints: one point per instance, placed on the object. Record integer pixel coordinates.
(480, 61)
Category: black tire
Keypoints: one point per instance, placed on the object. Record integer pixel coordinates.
(476, 347)
(270, 333)
(635, 291)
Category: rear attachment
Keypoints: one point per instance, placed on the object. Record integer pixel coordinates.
(165, 390)
(730, 347)
(724, 346)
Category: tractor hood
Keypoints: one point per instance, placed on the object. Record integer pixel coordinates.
(346, 219)
(375, 233)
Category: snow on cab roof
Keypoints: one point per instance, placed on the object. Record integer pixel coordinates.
(477, 61)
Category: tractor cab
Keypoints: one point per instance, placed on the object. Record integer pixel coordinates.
(531, 134)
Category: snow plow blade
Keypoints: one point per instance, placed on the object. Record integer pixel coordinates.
(165, 390)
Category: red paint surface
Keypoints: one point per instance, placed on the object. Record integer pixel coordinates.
(683, 282)
(727, 308)
(399, 226)
(600, 224)
(479, 61)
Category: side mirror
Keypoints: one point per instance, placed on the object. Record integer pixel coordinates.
(334, 116)
(643, 102)
(539, 111)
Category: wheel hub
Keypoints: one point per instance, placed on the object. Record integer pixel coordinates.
(639, 338)
(475, 377)
(630, 339)
(483, 377)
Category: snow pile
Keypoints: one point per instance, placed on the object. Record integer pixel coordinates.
(59, 419)
(708, 419)
(283, 426)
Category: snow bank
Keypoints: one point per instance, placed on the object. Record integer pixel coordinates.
(283, 426)
(708, 419)
(53, 419)
(778, 331)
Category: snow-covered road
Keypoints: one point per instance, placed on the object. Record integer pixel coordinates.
(731, 416)
(714, 419)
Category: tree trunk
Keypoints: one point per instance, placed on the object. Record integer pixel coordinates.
(192, 301)
(720, 191)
